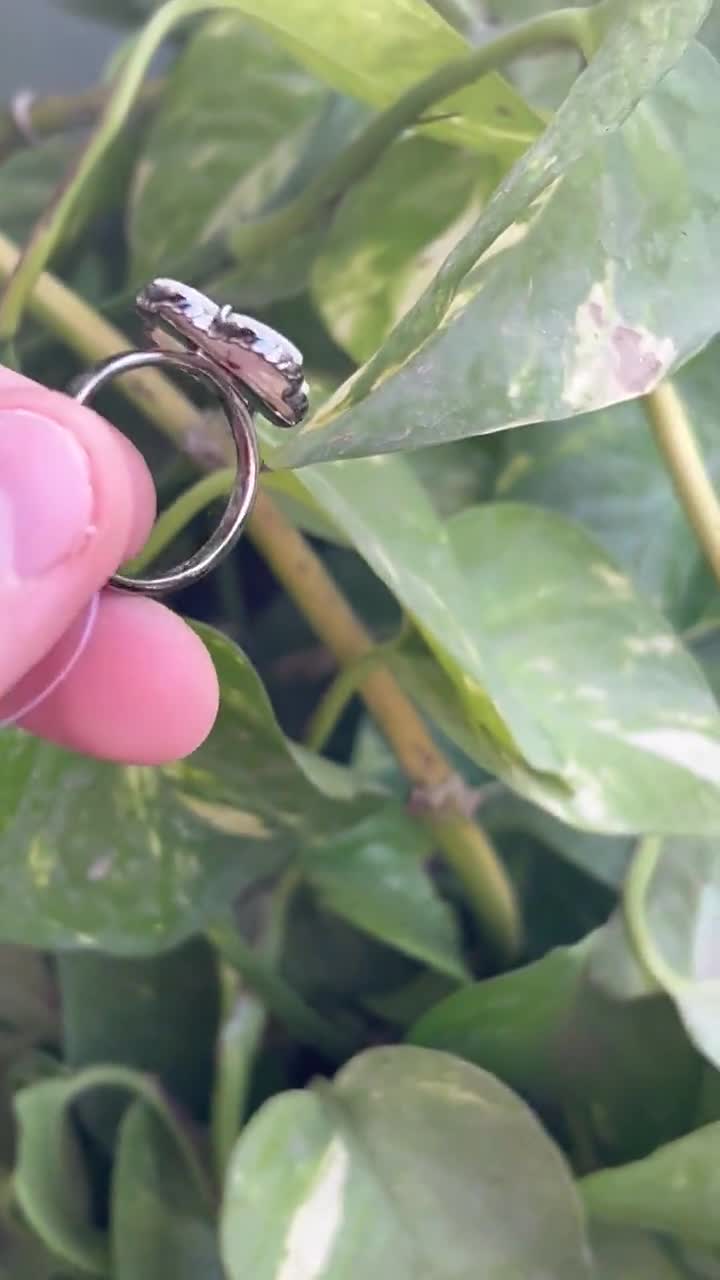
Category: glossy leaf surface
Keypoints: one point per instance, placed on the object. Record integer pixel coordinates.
(457, 1148)
(479, 351)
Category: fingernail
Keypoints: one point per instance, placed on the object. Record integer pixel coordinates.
(46, 497)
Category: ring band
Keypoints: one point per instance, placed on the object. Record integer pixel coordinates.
(244, 489)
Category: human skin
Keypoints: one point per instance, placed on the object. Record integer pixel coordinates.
(76, 500)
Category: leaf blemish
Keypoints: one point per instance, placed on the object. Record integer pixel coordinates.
(316, 1222)
(613, 360)
(225, 818)
(100, 868)
(698, 754)
(663, 645)
(617, 582)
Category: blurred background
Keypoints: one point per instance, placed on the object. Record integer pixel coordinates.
(45, 48)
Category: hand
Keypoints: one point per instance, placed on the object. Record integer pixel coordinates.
(76, 500)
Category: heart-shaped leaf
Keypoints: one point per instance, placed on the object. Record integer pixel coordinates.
(479, 350)
(411, 1163)
(134, 859)
(621, 700)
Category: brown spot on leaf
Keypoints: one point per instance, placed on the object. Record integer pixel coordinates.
(613, 359)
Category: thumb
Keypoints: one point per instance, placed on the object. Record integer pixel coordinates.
(67, 516)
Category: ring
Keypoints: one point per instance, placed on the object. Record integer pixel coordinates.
(239, 418)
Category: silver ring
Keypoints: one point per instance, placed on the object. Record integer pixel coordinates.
(239, 420)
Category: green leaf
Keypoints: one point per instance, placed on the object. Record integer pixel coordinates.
(604, 470)
(136, 1012)
(410, 1163)
(28, 180)
(23, 1257)
(385, 512)
(672, 912)
(333, 965)
(391, 235)
(50, 1182)
(480, 351)
(701, 1264)
(237, 114)
(377, 882)
(623, 1070)
(161, 1225)
(132, 860)
(631, 1255)
(710, 30)
(376, 50)
(675, 1190)
(456, 475)
(622, 702)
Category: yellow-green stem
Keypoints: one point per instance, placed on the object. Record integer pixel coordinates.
(681, 453)
(304, 1022)
(635, 893)
(174, 519)
(239, 1038)
(345, 685)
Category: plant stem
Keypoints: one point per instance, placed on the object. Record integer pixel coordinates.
(563, 26)
(241, 1031)
(55, 113)
(308, 583)
(301, 1020)
(171, 521)
(331, 616)
(676, 441)
(343, 688)
(634, 901)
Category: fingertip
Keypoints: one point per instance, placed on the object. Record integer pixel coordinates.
(144, 692)
(144, 497)
(82, 542)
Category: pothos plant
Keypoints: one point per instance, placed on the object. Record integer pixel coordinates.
(413, 968)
